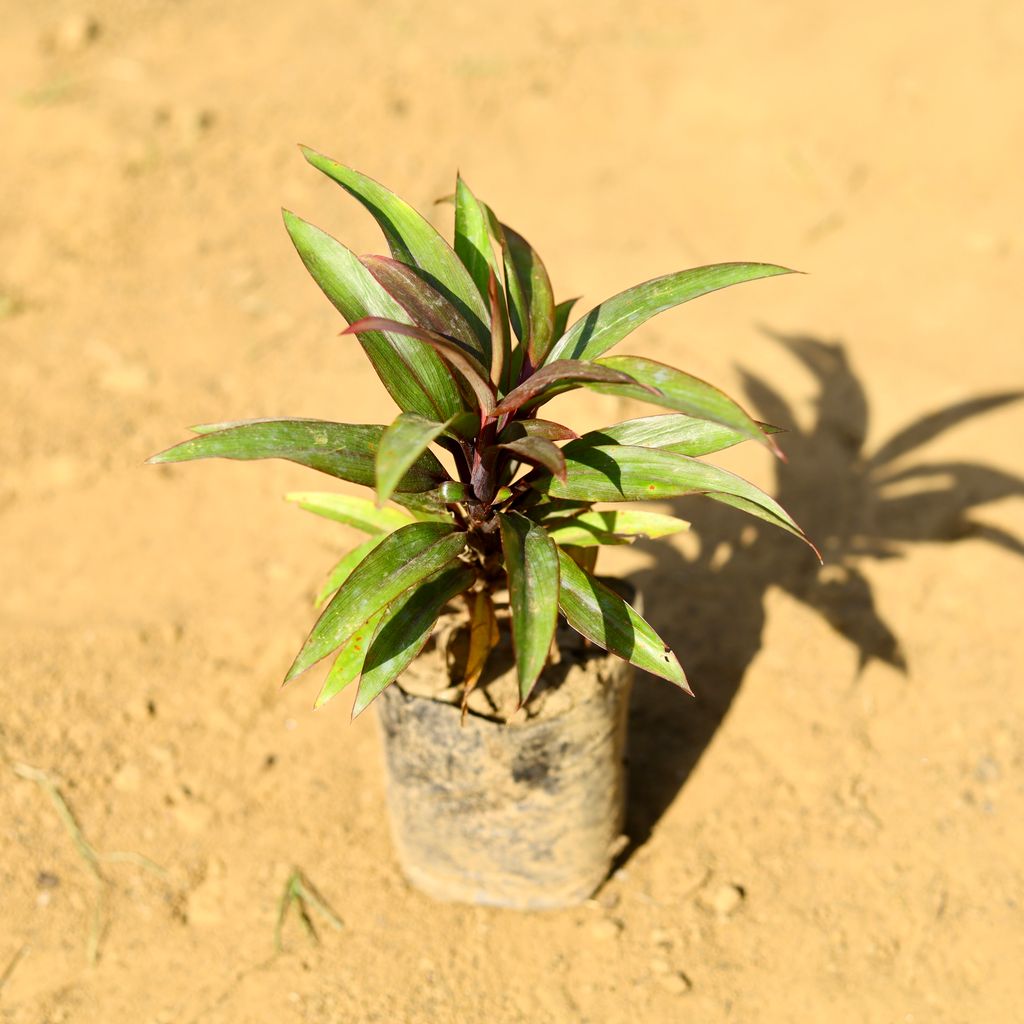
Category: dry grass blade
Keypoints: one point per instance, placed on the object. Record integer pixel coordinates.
(88, 853)
(19, 954)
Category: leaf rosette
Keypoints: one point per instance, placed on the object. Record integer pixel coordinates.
(471, 344)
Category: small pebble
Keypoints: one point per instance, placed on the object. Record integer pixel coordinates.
(128, 778)
(75, 33)
(606, 929)
(47, 880)
(675, 982)
(726, 899)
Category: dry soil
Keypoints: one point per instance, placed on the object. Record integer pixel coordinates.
(833, 830)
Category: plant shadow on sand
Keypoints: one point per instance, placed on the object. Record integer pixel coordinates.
(856, 505)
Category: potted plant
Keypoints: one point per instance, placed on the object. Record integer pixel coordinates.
(504, 731)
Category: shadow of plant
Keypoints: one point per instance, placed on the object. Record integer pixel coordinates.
(856, 505)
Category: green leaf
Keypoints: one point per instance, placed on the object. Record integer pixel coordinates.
(599, 614)
(677, 390)
(608, 323)
(428, 506)
(342, 450)
(574, 537)
(402, 444)
(412, 239)
(403, 559)
(425, 305)
(358, 512)
(473, 239)
(349, 661)
(533, 308)
(626, 473)
(673, 432)
(562, 311)
(345, 567)
(468, 366)
(404, 629)
(538, 452)
(556, 374)
(590, 528)
(531, 561)
(413, 374)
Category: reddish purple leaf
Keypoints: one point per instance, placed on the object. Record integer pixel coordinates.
(539, 452)
(467, 365)
(537, 428)
(425, 305)
(500, 341)
(561, 371)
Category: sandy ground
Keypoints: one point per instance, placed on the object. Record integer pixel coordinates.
(834, 830)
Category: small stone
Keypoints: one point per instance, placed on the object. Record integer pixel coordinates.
(127, 779)
(661, 938)
(75, 33)
(725, 900)
(987, 770)
(47, 880)
(193, 817)
(675, 982)
(606, 929)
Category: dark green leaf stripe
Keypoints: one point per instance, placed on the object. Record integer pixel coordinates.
(412, 239)
(534, 308)
(412, 372)
(562, 311)
(626, 473)
(405, 627)
(531, 561)
(343, 450)
(403, 559)
(599, 614)
(607, 324)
